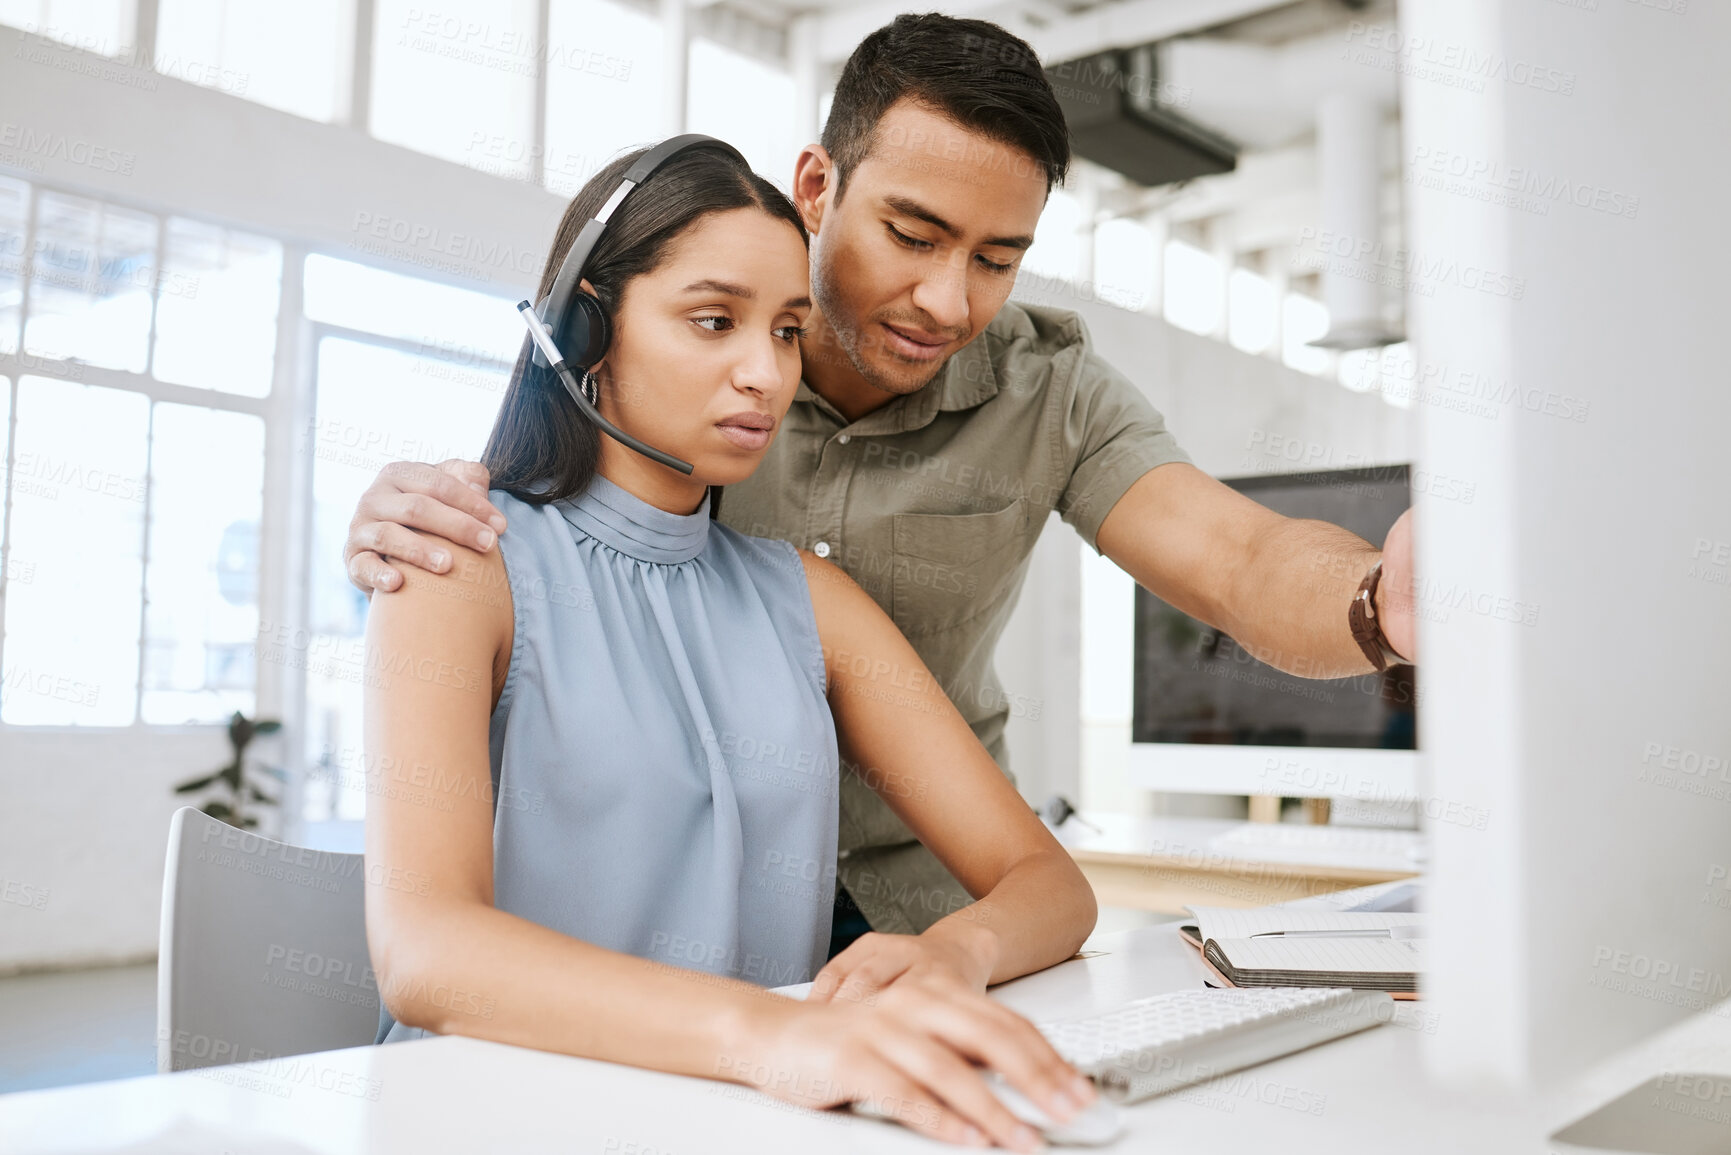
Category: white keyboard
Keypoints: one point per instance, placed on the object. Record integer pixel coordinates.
(1322, 845)
(1157, 1044)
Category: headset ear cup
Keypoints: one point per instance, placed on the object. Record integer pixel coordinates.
(587, 333)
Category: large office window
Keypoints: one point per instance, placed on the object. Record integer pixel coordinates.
(100, 26)
(407, 370)
(92, 273)
(1251, 311)
(1125, 252)
(457, 80)
(747, 103)
(1195, 289)
(604, 88)
(296, 57)
(131, 580)
(1303, 320)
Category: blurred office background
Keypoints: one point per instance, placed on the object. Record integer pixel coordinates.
(250, 253)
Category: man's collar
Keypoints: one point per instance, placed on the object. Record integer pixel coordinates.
(967, 379)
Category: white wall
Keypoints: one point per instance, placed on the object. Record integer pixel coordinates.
(84, 825)
(1587, 912)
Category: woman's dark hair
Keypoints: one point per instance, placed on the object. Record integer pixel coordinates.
(973, 72)
(542, 449)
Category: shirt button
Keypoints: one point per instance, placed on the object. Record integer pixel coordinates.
(842, 438)
(821, 549)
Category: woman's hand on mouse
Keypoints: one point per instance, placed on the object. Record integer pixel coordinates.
(913, 1053)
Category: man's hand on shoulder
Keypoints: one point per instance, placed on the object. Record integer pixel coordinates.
(449, 499)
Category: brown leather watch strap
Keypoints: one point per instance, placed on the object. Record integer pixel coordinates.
(1366, 629)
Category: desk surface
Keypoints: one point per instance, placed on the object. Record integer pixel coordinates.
(1363, 1093)
(1222, 844)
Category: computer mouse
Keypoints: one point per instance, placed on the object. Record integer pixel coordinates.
(1096, 1124)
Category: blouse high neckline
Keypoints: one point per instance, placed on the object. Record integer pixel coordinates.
(619, 518)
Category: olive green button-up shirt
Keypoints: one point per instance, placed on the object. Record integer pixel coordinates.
(933, 503)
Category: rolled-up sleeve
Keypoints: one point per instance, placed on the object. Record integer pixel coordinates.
(1112, 435)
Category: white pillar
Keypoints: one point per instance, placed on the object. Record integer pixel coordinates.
(803, 63)
(1348, 136)
(1276, 267)
(1086, 189)
(1223, 247)
(1161, 231)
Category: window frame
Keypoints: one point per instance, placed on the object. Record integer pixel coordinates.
(275, 410)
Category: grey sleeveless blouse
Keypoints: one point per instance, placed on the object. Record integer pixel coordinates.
(663, 757)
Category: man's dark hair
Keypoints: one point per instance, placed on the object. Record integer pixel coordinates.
(975, 73)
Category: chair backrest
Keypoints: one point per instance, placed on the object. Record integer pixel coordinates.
(263, 950)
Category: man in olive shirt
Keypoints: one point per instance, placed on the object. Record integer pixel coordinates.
(937, 427)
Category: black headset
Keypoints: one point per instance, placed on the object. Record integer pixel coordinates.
(569, 318)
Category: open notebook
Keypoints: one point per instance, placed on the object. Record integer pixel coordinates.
(1226, 939)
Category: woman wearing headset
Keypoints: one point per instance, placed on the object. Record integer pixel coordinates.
(632, 719)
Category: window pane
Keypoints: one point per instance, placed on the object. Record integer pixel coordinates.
(747, 103)
(1305, 319)
(1124, 256)
(460, 325)
(14, 212)
(90, 283)
(599, 55)
(1195, 289)
(216, 309)
(1057, 247)
(201, 585)
(287, 56)
(1250, 322)
(457, 80)
(101, 26)
(1358, 369)
(78, 489)
(375, 405)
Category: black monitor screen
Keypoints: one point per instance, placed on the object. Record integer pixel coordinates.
(1193, 684)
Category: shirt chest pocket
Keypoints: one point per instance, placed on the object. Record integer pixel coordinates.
(950, 567)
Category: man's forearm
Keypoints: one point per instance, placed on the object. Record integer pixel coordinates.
(1287, 605)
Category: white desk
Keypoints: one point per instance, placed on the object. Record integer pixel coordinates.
(1360, 1094)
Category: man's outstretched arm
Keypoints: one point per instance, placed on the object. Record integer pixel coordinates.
(448, 499)
(1279, 586)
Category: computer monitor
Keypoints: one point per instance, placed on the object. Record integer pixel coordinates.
(1209, 717)
(1571, 364)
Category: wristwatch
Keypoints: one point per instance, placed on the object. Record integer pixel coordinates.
(1366, 629)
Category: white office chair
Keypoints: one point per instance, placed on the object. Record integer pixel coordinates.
(263, 950)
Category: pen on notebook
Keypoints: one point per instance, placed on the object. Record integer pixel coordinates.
(1401, 932)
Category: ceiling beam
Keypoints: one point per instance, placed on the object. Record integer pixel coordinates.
(1131, 22)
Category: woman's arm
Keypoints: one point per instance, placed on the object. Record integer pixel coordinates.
(447, 960)
(913, 747)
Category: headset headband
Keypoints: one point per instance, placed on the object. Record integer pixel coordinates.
(565, 285)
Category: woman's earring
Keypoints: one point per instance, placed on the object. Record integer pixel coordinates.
(591, 388)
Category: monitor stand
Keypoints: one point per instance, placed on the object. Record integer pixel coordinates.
(1668, 1094)
(1675, 1113)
